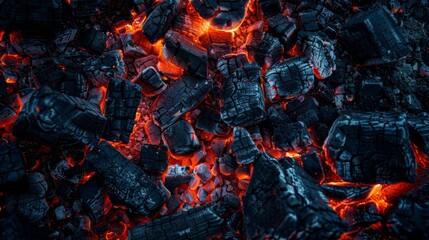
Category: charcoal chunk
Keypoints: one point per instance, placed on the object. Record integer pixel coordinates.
(363, 215)
(408, 220)
(284, 29)
(312, 165)
(283, 201)
(66, 82)
(370, 93)
(159, 20)
(93, 40)
(125, 180)
(122, 101)
(230, 62)
(371, 148)
(196, 223)
(154, 158)
(180, 138)
(210, 121)
(58, 119)
(11, 164)
(419, 129)
(347, 192)
(243, 100)
(374, 37)
(153, 132)
(100, 69)
(288, 79)
(206, 8)
(180, 97)
(30, 205)
(291, 136)
(93, 198)
(320, 51)
(176, 176)
(150, 81)
(308, 21)
(185, 53)
(263, 48)
(243, 146)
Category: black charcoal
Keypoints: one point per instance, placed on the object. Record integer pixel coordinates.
(93, 199)
(150, 81)
(180, 138)
(12, 168)
(347, 192)
(159, 20)
(243, 146)
(154, 158)
(312, 165)
(263, 48)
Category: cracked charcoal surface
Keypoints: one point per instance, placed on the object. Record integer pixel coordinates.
(93, 199)
(374, 37)
(179, 97)
(159, 20)
(371, 148)
(58, 119)
(243, 146)
(99, 70)
(263, 48)
(347, 192)
(320, 51)
(180, 138)
(210, 121)
(196, 223)
(154, 157)
(283, 202)
(270, 7)
(122, 100)
(312, 165)
(288, 79)
(285, 30)
(11, 164)
(229, 63)
(291, 136)
(243, 100)
(125, 180)
(185, 53)
(150, 81)
(362, 215)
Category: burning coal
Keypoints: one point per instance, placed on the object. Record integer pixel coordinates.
(214, 119)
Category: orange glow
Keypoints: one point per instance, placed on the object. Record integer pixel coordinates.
(103, 99)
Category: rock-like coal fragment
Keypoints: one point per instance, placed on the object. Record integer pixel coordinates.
(196, 223)
(243, 146)
(362, 215)
(100, 69)
(11, 164)
(93, 199)
(180, 138)
(223, 14)
(284, 29)
(153, 132)
(58, 119)
(371, 148)
(180, 97)
(151, 82)
(270, 8)
(370, 93)
(30, 205)
(176, 176)
(243, 100)
(320, 51)
(288, 79)
(154, 158)
(312, 165)
(263, 48)
(125, 180)
(210, 121)
(409, 220)
(93, 40)
(348, 192)
(123, 98)
(374, 37)
(185, 53)
(291, 136)
(282, 201)
(159, 20)
(230, 62)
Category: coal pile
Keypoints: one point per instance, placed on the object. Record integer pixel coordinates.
(214, 119)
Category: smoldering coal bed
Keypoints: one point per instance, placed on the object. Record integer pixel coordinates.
(214, 119)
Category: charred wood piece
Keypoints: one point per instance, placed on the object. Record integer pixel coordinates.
(100, 69)
(312, 165)
(291, 136)
(230, 62)
(374, 37)
(288, 79)
(243, 100)
(177, 176)
(11, 164)
(210, 121)
(93, 199)
(372, 148)
(125, 180)
(284, 29)
(270, 8)
(196, 223)
(243, 146)
(180, 97)
(151, 82)
(59, 119)
(293, 205)
(181, 138)
(347, 192)
(263, 48)
(159, 20)
(122, 100)
(185, 53)
(154, 158)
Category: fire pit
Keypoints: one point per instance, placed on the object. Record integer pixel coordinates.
(214, 119)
